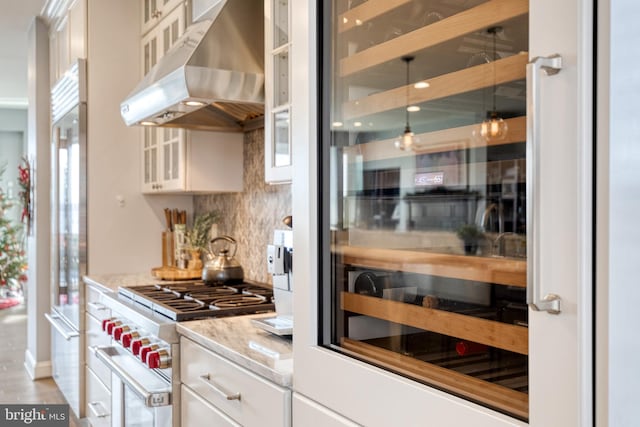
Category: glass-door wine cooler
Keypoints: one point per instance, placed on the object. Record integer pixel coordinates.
(424, 193)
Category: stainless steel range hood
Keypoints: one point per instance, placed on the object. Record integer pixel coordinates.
(213, 76)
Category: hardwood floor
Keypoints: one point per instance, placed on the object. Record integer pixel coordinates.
(15, 385)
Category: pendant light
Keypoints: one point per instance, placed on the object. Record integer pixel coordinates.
(407, 139)
(493, 128)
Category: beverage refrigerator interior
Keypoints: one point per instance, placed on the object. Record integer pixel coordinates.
(69, 236)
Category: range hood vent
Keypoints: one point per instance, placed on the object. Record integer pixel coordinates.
(211, 79)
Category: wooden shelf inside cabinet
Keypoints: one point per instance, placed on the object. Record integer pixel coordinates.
(474, 19)
(460, 138)
(494, 334)
(481, 76)
(502, 271)
(494, 395)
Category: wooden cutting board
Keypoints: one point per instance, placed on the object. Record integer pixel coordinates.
(174, 273)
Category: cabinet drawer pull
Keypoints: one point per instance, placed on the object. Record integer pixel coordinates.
(97, 306)
(98, 410)
(206, 378)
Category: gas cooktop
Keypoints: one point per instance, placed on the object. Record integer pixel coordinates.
(195, 300)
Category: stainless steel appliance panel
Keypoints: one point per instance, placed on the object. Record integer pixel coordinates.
(69, 231)
(68, 190)
(67, 362)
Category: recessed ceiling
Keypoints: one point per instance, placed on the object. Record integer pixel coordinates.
(15, 20)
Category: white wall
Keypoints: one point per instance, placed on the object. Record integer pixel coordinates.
(37, 360)
(121, 239)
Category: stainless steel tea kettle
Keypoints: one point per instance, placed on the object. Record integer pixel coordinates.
(222, 268)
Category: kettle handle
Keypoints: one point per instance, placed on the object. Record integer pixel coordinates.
(227, 239)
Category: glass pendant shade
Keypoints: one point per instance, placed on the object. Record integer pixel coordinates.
(494, 128)
(406, 140)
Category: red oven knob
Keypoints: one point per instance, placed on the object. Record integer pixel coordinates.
(146, 350)
(127, 338)
(119, 330)
(158, 359)
(112, 324)
(138, 344)
(105, 322)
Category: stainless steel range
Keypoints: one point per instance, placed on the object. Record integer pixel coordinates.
(144, 353)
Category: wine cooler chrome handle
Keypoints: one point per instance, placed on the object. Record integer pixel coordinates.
(98, 410)
(206, 378)
(551, 65)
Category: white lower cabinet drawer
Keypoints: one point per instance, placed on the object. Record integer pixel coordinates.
(194, 410)
(96, 337)
(98, 401)
(247, 398)
(308, 413)
(94, 306)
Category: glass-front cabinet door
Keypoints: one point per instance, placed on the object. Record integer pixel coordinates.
(427, 207)
(277, 90)
(430, 178)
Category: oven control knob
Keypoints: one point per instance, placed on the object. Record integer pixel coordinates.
(138, 344)
(105, 322)
(127, 338)
(158, 359)
(112, 325)
(146, 350)
(119, 330)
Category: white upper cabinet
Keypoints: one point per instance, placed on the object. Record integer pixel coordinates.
(154, 11)
(159, 40)
(162, 149)
(67, 39)
(277, 90)
(192, 161)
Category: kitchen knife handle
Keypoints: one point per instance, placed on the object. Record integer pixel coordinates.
(551, 65)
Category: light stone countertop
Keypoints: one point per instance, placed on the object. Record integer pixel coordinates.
(236, 338)
(111, 282)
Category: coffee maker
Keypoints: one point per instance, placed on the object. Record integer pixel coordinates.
(279, 265)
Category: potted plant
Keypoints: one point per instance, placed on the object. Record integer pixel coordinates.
(198, 237)
(471, 235)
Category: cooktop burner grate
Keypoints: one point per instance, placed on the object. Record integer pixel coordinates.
(188, 301)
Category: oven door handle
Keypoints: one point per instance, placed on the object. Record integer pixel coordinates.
(151, 398)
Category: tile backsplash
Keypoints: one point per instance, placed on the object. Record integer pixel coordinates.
(251, 216)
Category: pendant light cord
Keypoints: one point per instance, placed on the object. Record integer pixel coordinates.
(495, 30)
(407, 59)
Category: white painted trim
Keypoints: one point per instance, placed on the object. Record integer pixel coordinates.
(36, 370)
(20, 103)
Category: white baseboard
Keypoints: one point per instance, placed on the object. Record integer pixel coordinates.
(36, 370)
